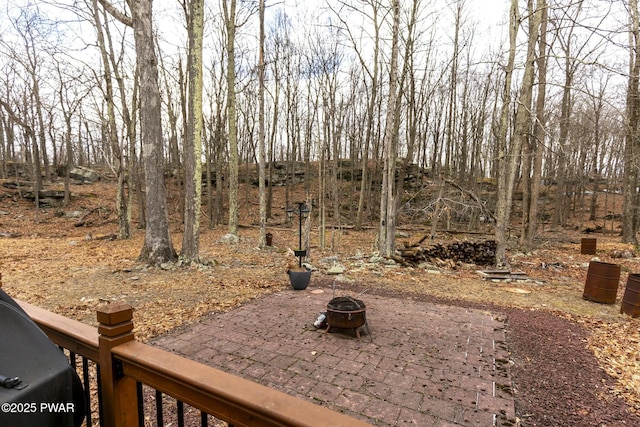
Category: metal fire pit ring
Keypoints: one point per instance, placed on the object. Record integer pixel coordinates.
(347, 313)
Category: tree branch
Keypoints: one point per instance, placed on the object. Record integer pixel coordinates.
(473, 196)
(14, 116)
(113, 11)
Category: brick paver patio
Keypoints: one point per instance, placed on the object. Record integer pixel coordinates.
(424, 364)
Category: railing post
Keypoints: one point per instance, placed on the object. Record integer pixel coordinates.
(119, 396)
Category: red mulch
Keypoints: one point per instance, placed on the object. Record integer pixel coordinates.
(556, 379)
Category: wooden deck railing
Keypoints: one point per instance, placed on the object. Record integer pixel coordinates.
(124, 364)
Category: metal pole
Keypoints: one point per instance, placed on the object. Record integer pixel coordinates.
(300, 230)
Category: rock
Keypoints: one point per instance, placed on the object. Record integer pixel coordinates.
(375, 259)
(229, 238)
(621, 254)
(336, 269)
(83, 174)
(309, 266)
(329, 260)
(429, 268)
(50, 202)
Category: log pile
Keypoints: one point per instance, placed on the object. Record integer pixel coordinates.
(480, 253)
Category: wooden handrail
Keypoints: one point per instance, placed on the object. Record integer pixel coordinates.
(225, 396)
(231, 398)
(68, 333)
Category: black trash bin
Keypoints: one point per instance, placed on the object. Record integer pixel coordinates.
(38, 387)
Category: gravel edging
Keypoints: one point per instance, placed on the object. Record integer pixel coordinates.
(557, 380)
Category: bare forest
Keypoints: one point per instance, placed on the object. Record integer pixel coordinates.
(179, 137)
(399, 95)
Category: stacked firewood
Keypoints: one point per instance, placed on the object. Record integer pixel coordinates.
(480, 253)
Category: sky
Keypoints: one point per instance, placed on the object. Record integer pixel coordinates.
(489, 19)
(489, 15)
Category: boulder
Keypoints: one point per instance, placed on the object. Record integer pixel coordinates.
(83, 174)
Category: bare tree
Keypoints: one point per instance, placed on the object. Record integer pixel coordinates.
(503, 206)
(597, 106)
(230, 24)
(388, 204)
(531, 192)
(108, 61)
(216, 141)
(70, 96)
(452, 104)
(571, 65)
(524, 115)
(194, 11)
(632, 137)
(370, 70)
(261, 133)
(31, 60)
(158, 247)
(30, 138)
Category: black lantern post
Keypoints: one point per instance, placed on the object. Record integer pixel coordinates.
(303, 212)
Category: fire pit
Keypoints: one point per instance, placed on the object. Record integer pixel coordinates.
(347, 313)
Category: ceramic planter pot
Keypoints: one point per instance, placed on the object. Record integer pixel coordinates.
(299, 279)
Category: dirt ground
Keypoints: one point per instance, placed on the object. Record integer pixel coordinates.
(574, 362)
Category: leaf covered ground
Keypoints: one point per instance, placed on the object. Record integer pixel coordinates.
(72, 270)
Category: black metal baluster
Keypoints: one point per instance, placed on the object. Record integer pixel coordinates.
(100, 408)
(140, 397)
(204, 421)
(180, 413)
(159, 414)
(86, 385)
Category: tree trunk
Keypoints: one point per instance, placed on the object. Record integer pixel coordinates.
(158, 247)
(598, 103)
(524, 118)
(365, 182)
(531, 225)
(502, 207)
(388, 206)
(510, 160)
(37, 172)
(452, 105)
(261, 135)
(4, 149)
(632, 139)
(193, 143)
(230, 22)
(107, 57)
